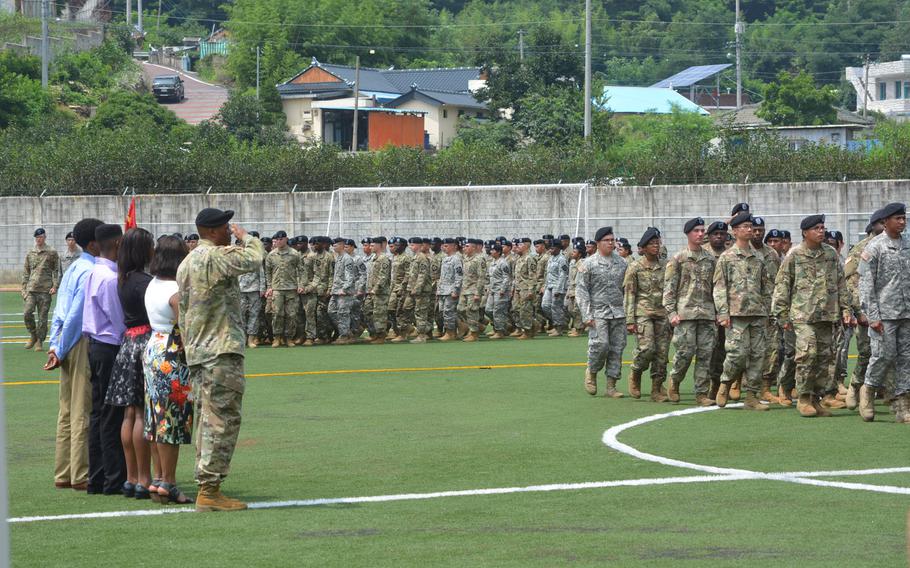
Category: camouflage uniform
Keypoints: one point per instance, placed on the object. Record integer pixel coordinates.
(401, 312)
(436, 260)
(40, 276)
(541, 270)
(499, 292)
(772, 333)
(884, 290)
(451, 275)
(598, 288)
(376, 305)
(420, 288)
(281, 278)
(571, 305)
(214, 340)
(644, 306)
(472, 290)
(360, 286)
(344, 287)
(741, 287)
(67, 258)
(252, 288)
(851, 276)
(525, 292)
(556, 285)
(688, 285)
(323, 274)
(307, 282)
(716, 368)
(810, 293)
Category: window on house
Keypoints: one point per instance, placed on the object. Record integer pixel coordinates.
(907, 89)
(897, 90)
(460, 113)
(882, 91)
(445, 113)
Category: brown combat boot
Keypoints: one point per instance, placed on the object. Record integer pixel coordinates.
(722, 391)
(867, 403)
(471, 337)
(657, 394)
(766, 393)
(277, 342)
(590, 382)
(378, 340)
(251, 342)
(525, 335)
(38, 345)
(701, 399)
(830, 401)
(497, 335)
(309, 343)
(298, 341)
(673, 392)
(611, 391)
(421, 338)
(902, 410)
(573, 333)
(448, 336)
(712, 392)
(805, 407)
(515, 333)
(554, 332)
(635, 384)
(736, 389)
(210, 498)
(783, 396)
(754, 403)
(344, 340)
(31, 342)
(820, 408)
(401, 338)
(841, 389)
(852, 399)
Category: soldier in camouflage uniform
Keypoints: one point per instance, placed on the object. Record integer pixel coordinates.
(524, 285)
(436, 258)
(420, 290)
(265, 312)
(500, 291)
(302, 246)
(741, 285)
(448, 289)
(306, 275)
(555, 288)
(543, 257)
(379, 286)
(252, 291)
(70, 255)
(810, 296)
(863, 347)
(772, 261)
(401, 264)
(214, 339)
(472, 289)
(884, 283)
(324, 274)
(716, 245)
(598, 289)
(360, 289)
(344, 288)
(572, 312)
(281, 286)
(40, 280)
(646, 318)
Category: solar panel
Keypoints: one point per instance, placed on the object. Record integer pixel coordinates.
(691, 75)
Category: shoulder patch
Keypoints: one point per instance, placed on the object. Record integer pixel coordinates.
(582, 267)
(865, 256)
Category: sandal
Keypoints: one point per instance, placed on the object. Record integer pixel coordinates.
(142, 492)
(153, 490)
(129, 490)
(174, 495)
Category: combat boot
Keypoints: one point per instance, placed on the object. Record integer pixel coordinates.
(766, 393)
(898, 410)
(298, 342)
(902, 416)
(841, 389)
(378, 340)
(783, 396)
(736, 389)
(701, 399)
(497, 335)
(448, 336)
(251, 342)
(210, 498)
(852, 398)
(573, 333)
(830, 401)
(722, 392)
(635, 384)
(421, 338)
(38, 345)
(590, 382)
(462, 329)
(673, 392)
(656, 391)
(611, 391)
(712, 392)
(525, 335)
(344, 340)
(805, 407)
(754, 403)
(515, 333)
(401, 338)
(471, 337)
(554, 332)
(309, 343)
(31, 342)
(412, 332)
(277, 342)
(820, 409)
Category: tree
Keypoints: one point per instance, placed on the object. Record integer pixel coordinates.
(246, 118)
(794, 100)
(22, 100)
(124, 108)
(554, 116)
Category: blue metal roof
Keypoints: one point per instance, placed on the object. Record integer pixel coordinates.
(692, 75)
(646, 100)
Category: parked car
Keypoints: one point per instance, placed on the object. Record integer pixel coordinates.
(168, 87)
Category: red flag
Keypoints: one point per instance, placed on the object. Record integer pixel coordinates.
(131, 216)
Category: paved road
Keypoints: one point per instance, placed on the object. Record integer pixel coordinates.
(202, 99)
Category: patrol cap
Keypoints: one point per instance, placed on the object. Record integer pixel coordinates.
(564, 237)
(107, 232)
(603, 232)
(811, 221)
(39, 231)
(70, 235)
(379, 239)
(539, 242)
(448, 241)
(758, 222)
(280, 235)
(717, 226)
(893, 209)
(740, 218)
(739, 208)
(649, 235)
(416, 240)
(211, 217)
(692, 223)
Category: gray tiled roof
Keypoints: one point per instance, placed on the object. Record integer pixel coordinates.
(454, 80)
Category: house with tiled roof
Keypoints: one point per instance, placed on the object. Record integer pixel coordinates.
(318, 102)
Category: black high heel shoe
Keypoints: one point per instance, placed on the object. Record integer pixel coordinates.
(129, 490)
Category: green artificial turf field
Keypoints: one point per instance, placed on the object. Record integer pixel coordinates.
(311, 434)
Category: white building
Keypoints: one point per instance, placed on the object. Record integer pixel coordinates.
(888, 89)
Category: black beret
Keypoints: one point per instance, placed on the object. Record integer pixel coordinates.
(178, 235)
(758, 221)
(280, 235)
(436, 241)
(448, 241)
(516, 240)
(869, 228)
(603, 232)
(564, 237)
(538, 242)
(834, 236)
(811, 221)
(740, 218)
(366, 241)
(740, 207)
(578, 239)
(580, 247)
(380, 240)
(211, 217)
(191, 237)
(717, 226)
(648, 236)
(337, 240)
(107, 232)
(416, 240)
(656, 229)
(292, 241)
(255, 234)
(501, 239)
(692, 223)
(266, 240)
(785, 234)
(427, 241)
(302, 239)
(773, 234)
(476, 241)
(495, 246)
(623, 241)
(39, 232)
(350, 242)
(625, 244)
(590, 242)
(524, 240)
(462, 239)
(893, 209)
(70, 235)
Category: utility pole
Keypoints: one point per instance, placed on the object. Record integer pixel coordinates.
(129, 16)
(587, 129)
(521, 45)
(158, 23)
(139, 15)
(257, 72)
(356, 101)
(739, 63)
(866, 87)
(45, 54)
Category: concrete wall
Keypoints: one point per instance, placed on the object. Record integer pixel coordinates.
(482, 212)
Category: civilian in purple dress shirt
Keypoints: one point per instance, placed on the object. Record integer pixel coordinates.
(102, 323)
